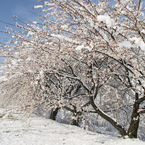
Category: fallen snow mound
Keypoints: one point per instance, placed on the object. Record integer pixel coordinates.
(17, 129)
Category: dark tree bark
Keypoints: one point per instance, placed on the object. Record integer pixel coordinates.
(77, 117)
(75, 122)
(53, 113)
(135, 118)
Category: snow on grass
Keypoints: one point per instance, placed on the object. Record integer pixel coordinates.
(17, 129)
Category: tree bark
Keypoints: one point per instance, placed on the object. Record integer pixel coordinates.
(75, 122)
(53, 113)
(135, 118)
(77, 117)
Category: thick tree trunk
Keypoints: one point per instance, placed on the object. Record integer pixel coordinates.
(135, 118)
(53, 114)
(133, 128)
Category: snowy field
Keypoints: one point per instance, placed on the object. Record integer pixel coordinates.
(18, 129)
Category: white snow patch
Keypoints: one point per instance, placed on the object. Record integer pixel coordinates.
(38, 6)
(133, 42)
(64, 27)
(138, 42)
(126, 44)
(48, 3)
(80, 47)
(61, 37)
(34, 22)
(3, 79)
(106, 19)
(124, 142)
(143, 31)
(30, 33)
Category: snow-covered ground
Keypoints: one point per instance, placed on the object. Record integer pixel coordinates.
(18, 129)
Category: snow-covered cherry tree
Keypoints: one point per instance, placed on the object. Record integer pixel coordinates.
(85, 56)
(109, 30)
